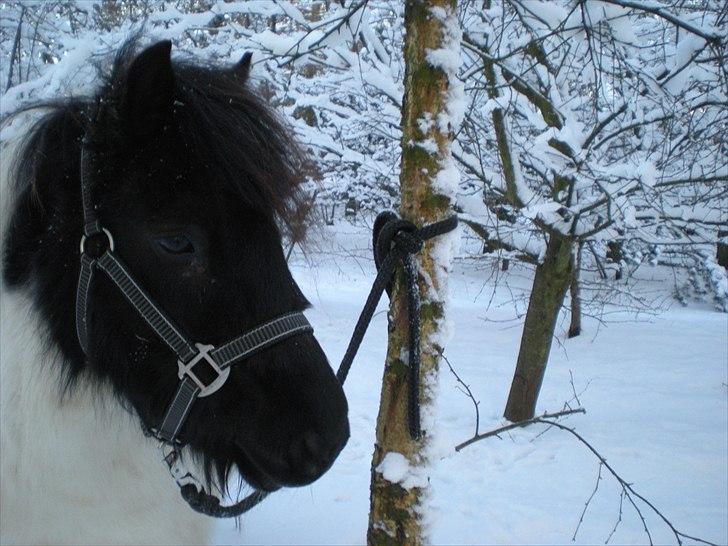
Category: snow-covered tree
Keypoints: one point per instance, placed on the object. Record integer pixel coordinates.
(595, 122)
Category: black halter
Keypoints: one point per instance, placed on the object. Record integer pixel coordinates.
(97, 253)
(189, 355)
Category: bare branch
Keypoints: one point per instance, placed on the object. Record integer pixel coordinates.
(627, 487)
(467, 392)
(650, 8)
(588, 501)
(519, 424)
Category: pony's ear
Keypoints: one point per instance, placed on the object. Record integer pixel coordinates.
(149, 90)
(242, 67)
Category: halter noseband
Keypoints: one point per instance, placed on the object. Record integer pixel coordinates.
(97, 253)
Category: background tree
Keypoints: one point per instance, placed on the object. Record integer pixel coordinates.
(598, 114)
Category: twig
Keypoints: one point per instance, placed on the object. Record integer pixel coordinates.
(16, 51)
(626, 487)
(519, 424)
(602, 271)
(619, 519)
(344, 20)
(290, 250)
(573, 389)
(588, 501)
(468, 393)
(655, 10)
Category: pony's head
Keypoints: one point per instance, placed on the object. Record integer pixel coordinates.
(197, 180)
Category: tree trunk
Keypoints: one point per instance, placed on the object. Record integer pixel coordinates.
(721, 254)
(575, 293)
(614, 254)
(550, 284)
(395, 512)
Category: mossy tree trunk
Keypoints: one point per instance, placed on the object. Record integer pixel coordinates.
(396, 508)
(554, 275)
(550, 284)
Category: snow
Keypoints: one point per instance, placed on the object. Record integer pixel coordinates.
(395, 468)
(654, 387)
(447, 178)
(448, 59)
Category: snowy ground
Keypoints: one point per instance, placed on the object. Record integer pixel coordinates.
(655, 390)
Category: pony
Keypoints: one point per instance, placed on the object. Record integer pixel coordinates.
(199, 182)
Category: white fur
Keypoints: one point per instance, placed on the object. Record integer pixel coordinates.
(75, 469)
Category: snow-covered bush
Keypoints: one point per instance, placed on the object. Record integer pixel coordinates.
(601, 121)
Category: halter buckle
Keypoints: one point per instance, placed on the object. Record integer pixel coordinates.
(102, 246)
(203, 353)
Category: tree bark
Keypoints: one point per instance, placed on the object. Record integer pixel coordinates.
(575, 293)
(395, 511)
(550, 284)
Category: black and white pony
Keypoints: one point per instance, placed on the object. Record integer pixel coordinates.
(197, 181)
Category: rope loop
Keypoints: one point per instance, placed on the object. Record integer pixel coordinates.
(397, 241)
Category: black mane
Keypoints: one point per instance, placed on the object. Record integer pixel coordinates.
(223, 121)
(248, 151)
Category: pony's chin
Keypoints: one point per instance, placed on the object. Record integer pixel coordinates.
(253, 474)
(261, 481)
(256, 475)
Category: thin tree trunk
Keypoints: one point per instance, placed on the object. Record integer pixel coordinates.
(614, 254)
(396, 508)
(575, 293)
(15, 54)
(721, 254)
(550, 284)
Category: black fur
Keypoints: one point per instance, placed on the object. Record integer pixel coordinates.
(195, 177)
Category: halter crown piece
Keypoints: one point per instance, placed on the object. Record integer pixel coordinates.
(97, 253)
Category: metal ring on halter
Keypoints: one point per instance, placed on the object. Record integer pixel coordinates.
(109, 238)
(185, 369)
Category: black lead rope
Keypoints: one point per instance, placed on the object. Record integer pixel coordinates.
(395, 241)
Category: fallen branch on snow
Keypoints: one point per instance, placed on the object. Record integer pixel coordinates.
(628, 491)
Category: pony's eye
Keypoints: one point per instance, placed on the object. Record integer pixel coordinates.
(176, 244)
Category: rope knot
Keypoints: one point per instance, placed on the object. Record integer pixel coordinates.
(408, 241)
(391, 232)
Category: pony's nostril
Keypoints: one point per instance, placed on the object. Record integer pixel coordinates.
(309, 456)
(312, 441)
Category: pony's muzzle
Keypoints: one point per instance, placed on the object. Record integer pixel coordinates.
(312, 455)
